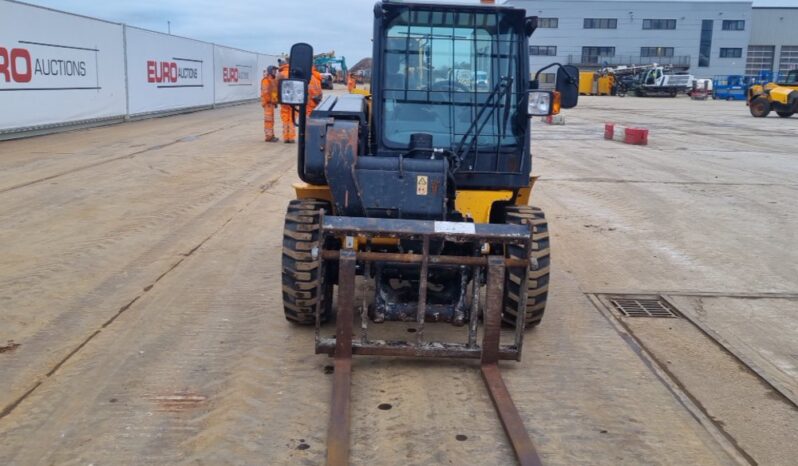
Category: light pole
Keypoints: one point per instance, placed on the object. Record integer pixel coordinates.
(169, 27)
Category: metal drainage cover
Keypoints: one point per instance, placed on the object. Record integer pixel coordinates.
(643, 307)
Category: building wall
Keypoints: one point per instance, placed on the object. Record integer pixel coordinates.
(774, 40)
(570, 36)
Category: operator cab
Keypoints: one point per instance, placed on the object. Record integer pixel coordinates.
(451, 105)
(791, 78)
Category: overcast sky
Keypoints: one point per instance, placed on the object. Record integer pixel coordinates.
(268, 26)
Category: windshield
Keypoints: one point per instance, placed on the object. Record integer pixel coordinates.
(439, 67)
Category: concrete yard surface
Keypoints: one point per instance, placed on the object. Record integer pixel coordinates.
(141, 319)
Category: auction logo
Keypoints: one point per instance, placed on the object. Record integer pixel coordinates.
(238, 75)
(177, 72)
(37, 66)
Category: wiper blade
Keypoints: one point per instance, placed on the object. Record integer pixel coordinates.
(499, 90)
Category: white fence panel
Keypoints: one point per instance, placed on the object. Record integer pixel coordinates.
(265, 61)
(167, 72)
(58, 68)
(235, 74)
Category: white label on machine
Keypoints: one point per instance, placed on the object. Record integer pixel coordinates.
(422, 182)
(455, 227)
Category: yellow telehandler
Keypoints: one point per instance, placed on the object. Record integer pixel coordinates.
(779, 96)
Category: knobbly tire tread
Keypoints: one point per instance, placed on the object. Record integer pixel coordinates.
(538, 276)
(300, 271)
(759, 107)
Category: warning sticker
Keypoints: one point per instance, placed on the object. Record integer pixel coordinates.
(422, 183)
(455, 227)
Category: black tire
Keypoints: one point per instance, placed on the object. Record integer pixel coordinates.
(785, 114)
(760, 107)
(300, 271)
(538, 277)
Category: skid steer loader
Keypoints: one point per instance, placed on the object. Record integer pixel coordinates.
(422, 188)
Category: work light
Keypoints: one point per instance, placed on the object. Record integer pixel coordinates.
(540, 103)
(293, 92)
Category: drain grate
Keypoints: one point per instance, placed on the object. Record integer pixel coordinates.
(643, 307)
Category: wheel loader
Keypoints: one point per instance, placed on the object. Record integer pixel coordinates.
(422, 189)
(781, 97)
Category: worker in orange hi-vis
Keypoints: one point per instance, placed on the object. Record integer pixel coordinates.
(286, 112)
(351, 83)
(314, 91)
(268, 100)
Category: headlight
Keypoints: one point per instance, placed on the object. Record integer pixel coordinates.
(293, 92)
(540, 103)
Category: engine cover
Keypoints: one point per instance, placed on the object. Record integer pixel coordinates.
(394, 187)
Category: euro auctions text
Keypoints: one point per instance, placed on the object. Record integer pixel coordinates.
(17, 65)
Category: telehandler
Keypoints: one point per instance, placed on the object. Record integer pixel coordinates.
(781, 97)
(422, 188)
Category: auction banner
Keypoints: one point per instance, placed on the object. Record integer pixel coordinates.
(235, 75)
(166, 72)
(58, 68)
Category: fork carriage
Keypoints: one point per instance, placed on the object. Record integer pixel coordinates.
(487, 269)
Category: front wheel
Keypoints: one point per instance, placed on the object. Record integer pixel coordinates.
(302, 277)
(760, 107)
(537, 282)
(785, 114)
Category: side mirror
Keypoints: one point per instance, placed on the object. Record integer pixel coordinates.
(568, 85)
(294, 89)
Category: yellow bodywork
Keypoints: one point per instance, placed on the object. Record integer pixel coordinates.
(473, 203)
(477, 204)
(312, 191)
(781, 94)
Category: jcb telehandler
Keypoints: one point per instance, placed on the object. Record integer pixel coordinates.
(781, 97)
(423, 188)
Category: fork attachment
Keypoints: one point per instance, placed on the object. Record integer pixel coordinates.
(356, 256)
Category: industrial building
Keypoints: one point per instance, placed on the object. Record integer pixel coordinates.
(702, 38)
(773, 45)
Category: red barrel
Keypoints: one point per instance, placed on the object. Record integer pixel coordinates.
(636, 136)
(609, 130)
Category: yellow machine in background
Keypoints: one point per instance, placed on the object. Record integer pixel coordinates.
(781, 97)
(586, 80)
(592, 83)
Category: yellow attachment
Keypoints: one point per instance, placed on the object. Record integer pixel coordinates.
(477, 204)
